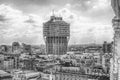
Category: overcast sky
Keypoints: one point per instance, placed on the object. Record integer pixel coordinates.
(21, 20)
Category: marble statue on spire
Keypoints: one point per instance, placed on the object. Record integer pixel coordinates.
(116, 7)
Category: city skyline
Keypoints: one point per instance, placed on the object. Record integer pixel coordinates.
(22, 20)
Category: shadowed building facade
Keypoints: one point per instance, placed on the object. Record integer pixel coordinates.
(115, 60)
(56, 33)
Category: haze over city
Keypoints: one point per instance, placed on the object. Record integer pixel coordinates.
(22, 20)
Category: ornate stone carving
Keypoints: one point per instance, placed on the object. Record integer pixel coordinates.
(116, 26)
(116, 7)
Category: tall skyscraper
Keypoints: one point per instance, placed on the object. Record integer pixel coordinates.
(56, 33)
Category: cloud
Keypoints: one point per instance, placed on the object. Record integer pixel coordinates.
(88, 19)
(35, 2)
(17, 26)
(96, 9)
(85, 30)
(87, 5)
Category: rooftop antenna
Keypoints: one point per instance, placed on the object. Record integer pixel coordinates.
(59, 15)
(53, 12)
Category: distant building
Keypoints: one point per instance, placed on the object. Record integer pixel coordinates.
(86, 48)
(56, 33)
(26, 48)
(3, 48)
(10, 60)
(8, 64)
(25, 75)
(15, 46)
(78, 73)
(5, 76)
(27, 64)
(69, 76)
(93, 49)
(107, 47)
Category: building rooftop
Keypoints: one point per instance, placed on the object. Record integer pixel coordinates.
(57, 20)
(3, 73)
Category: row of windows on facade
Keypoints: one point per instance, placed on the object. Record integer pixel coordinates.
(65, 33)
(55, 25)
(56, 41)
(60, 29)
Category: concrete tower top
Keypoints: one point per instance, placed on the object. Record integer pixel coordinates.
(56, 26)
(56, 20)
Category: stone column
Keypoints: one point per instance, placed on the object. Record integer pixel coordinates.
(116, 50)
(111, 69)
(119, 69)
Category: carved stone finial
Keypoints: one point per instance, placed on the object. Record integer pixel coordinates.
(116, 7)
